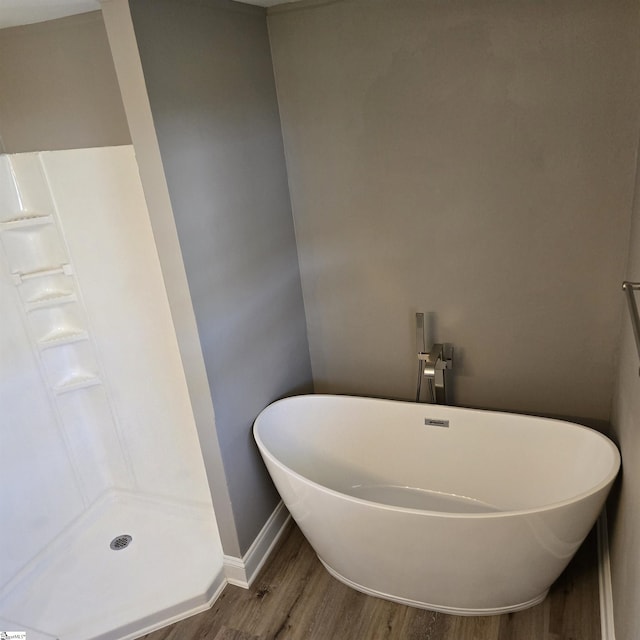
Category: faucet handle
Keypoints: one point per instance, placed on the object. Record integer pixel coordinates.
(439, 357)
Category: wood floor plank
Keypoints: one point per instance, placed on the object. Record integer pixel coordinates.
(570, 617)
(471, 628)
(294, 598)
(234, 634)
(516, 626)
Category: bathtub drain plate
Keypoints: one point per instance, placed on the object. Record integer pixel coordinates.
(121, 542)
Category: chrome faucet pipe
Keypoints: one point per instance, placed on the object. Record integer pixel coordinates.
(432, 364)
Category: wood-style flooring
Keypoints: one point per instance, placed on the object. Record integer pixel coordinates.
(294, 598)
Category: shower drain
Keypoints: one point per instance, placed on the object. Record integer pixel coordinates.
(120, 542)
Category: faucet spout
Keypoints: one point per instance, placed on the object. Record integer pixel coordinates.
(433, 360)
(433, 364)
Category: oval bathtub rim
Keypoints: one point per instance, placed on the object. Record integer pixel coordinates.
(610, 477)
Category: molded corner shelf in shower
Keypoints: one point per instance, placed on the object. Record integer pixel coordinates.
(33, 244)
(50, 299)
(35, 256)
(75, 382)
(26, 221)
(60, 337)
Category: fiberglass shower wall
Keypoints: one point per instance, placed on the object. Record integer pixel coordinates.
(98, 437)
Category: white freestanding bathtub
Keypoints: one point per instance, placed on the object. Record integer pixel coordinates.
(457, 510)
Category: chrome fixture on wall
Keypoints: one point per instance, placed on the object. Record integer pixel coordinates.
(629, 288)
(432, 365)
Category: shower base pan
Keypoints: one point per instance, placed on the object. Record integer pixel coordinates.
(81, 588)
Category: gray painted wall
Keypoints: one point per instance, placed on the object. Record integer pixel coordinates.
(209, 77)
(624, 512)
(58, 87)
(474, 160)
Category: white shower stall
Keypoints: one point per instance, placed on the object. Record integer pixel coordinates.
(97, 436)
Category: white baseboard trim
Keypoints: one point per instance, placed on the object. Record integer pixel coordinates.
(604, 580)
(243, 571)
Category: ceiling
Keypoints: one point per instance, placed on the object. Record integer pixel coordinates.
(15, 12)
